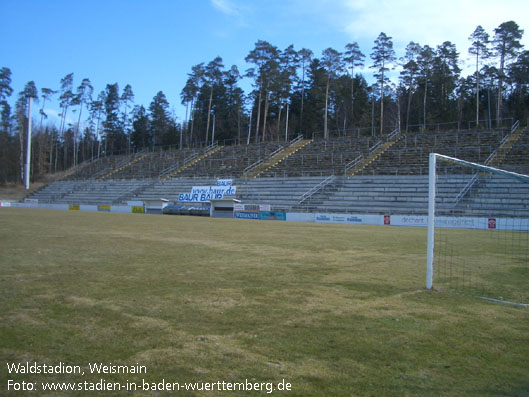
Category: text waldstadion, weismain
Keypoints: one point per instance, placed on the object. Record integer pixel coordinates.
(62, 368)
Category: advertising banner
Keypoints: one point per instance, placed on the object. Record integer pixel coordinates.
(224, 182)
(349, 219)
(204, 194)
(247, 215)
(272, 216)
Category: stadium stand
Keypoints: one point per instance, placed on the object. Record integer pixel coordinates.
(309, 177)
(409, 156)
(515, 156)
(98, 167)
(322, 157)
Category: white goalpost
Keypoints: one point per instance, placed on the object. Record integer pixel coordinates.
(478, 230)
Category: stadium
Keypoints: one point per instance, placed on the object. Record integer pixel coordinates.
(330, 300)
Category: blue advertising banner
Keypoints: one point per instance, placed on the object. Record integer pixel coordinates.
(247, 215)
(203, 194)
(272, 216)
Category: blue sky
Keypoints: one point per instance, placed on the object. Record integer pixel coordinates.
(152, 44)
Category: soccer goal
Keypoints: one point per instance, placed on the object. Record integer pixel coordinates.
(478, 230)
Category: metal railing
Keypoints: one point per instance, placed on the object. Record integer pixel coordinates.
(308, 194)
(105, 172)
(392, 135)
(352, 164)
(168, 170)
(253, 166)
(190, 158)
(488, 161)
(214, 145)
(295, 140)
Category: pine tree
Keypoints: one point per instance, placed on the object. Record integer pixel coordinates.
(332, 61)
(189, 95)
(96, 110)
(212, 78)
(288, 60)
(305, 58)
(408, 75)
(126, 97)
(22, 107)
(479, 48)
(5, 115)
(160, 122)
(83, 96)
(445, 76)
(111, 124)
(426, 64)
(65, 101)
(264, 57)
(234, 100)
(355, 58)
(506, 44)
(383, 57)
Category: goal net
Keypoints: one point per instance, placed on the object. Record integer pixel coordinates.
(478, 230)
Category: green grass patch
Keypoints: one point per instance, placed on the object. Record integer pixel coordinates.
(334, 310)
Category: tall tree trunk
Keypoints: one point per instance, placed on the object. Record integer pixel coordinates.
(352, 98)
(65, 144)
(424, 103)
(184, 126)
(398, 110)
(302, 99)
(239, 124)
(279, 119)
(97, 134)
(477, 90)
(209, 113)
(325, 130)
(75, 157)
(192, 121)
(51, 150)
(258, 112)
(500, 83)
(57, 143)
(267, 96)
(382, 102)
(410, 88)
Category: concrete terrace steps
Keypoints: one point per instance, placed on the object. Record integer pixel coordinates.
(170, 189)
(358, 194)
(103, 192)
(55, 191)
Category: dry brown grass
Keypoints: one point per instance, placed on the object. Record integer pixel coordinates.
(336, 310)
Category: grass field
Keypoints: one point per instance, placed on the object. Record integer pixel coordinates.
(333, 310)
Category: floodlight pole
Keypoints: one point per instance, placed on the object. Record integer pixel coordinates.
(28, 148)
(431, 221)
